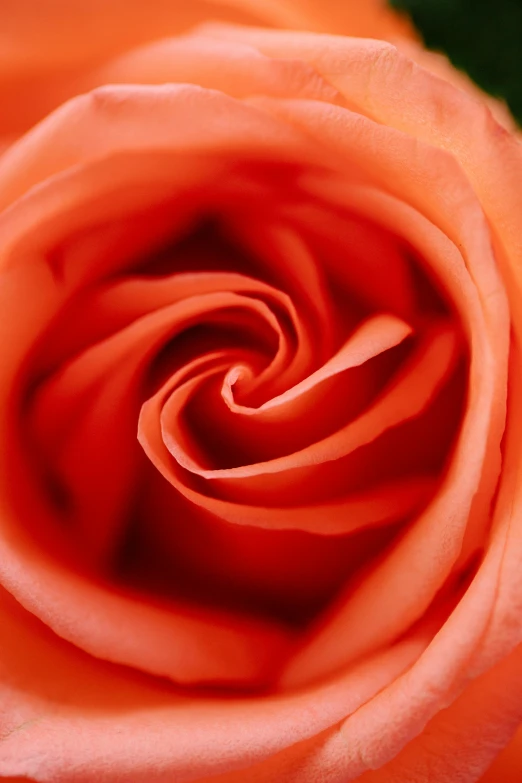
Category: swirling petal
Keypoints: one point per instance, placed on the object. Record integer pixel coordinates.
(406, 398)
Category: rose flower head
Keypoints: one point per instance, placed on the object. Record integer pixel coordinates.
(260, 398)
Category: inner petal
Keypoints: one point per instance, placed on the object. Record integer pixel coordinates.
(82, 419)
(266, 382)
(326, 398)
(407, 396)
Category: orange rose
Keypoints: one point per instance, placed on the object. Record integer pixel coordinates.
(259, 401)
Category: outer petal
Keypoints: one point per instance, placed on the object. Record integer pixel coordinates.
(439, 65)
(46, 54)
(457, 745)
(372, 78)
(79, 32)
(69, 718)
(117, 119)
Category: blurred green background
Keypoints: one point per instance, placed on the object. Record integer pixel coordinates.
(482, 37)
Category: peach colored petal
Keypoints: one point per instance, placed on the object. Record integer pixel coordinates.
(45, 59)
(69, 34)
(236, 68)
(435, 112)
(181, 642)
(55, 594)
(438, 64)
(76, 32)
(380, 504)
(81, 415)
(466, 636)
(115, 119)
(331, 57)
(441, 257)
(285, 253)
(462, 650)
(121, 725)
(133, 297)
(406, 398)
(373, 337)
(501, 566)
(385, 503)
(118, 304)
(456, 745)
(328, 518)
(462, 739)
(294, 355)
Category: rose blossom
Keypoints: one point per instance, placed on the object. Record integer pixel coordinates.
(259, 400)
